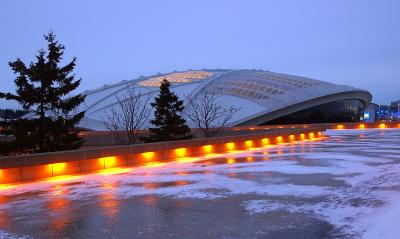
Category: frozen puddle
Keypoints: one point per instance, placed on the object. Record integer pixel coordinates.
(344, 186)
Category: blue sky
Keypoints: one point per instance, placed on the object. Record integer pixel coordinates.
(353, 42)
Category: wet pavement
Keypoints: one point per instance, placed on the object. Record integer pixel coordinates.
(344, 186)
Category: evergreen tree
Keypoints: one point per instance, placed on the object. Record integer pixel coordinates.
(169, 125)
(44, 88)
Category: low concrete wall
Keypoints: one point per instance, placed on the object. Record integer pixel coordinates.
(355, 125)
(44, 165)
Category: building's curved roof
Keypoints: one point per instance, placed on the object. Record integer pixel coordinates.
(261, 95)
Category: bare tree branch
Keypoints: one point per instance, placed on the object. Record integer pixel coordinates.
(209, 114)
(130, 115)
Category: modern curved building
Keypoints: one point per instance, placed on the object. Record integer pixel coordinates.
(263, 97)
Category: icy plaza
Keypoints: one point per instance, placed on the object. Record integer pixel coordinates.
(343, 186)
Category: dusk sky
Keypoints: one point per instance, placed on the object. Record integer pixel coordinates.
(353, 42)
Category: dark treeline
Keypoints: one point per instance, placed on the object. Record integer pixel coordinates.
(11, 114)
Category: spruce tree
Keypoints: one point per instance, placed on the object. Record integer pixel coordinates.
(169, 125)
(45, 88)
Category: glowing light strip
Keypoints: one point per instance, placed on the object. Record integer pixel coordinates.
(148, 155)
(7, 186)
(279, 139)
(62, 178)
(113, 171)
(208, 149)
(248, 143)
(180, 152)
(230, 146)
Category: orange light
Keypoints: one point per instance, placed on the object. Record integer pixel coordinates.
(187, 159)
(398, 126)
(265, 141)
(230, 146)
(59, 167)
(58, 190)
(7, 186)
(382, 125)
(340, 126)
(319, 133)
(154, 164)
(252, 128)
(311, 135)
(249, 159)
(108, 162)
(148, 155)
(230, 160)
(207, 149)
(291, 137)
(50, 168)
(248, 143)
(361, 126)
(63, 178)
(211, 155)
(302, 136)
(180, 153)
(279, 139)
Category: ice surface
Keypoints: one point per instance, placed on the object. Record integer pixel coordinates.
(5, 235)
(350, 179)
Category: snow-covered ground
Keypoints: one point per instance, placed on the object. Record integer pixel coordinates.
(349, 180)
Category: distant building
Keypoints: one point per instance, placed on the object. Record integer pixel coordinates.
(264, 97)
(389, 112)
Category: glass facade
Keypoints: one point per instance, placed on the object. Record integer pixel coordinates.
(179, 77)
(332, 112)
(259, 86)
